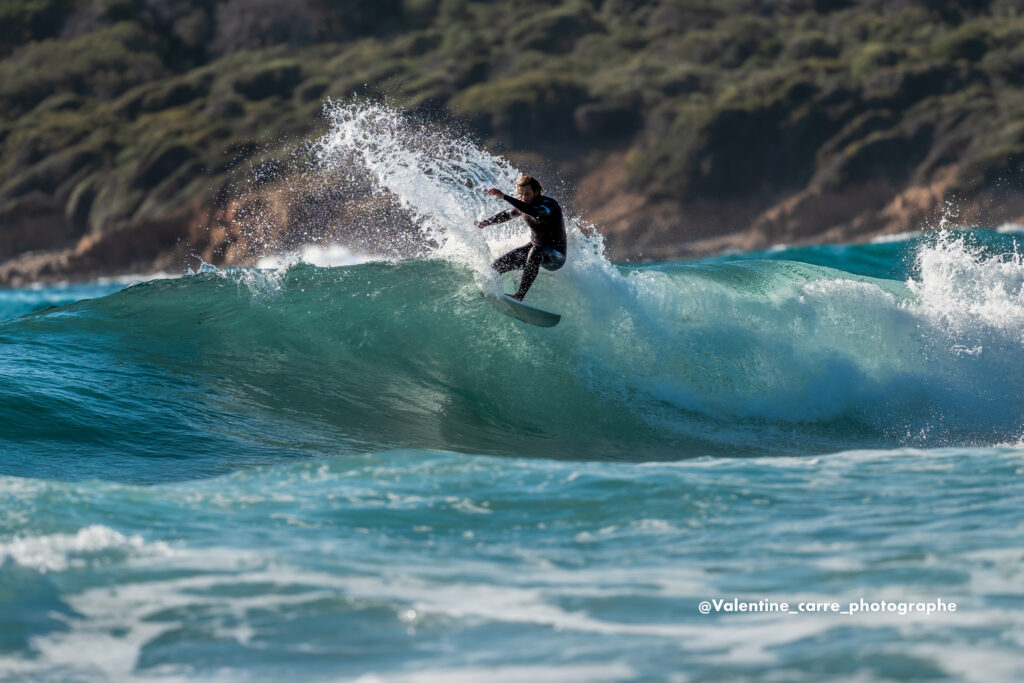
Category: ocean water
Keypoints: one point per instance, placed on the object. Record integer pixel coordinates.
(364, 472)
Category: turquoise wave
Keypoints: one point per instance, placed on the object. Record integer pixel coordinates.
(205, 373)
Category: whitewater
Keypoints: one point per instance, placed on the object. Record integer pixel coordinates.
(337, 466)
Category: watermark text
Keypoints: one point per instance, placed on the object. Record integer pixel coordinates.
(860, 606)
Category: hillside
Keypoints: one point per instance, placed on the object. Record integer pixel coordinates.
(139, 134)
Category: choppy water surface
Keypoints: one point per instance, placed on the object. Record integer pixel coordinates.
(365, 471)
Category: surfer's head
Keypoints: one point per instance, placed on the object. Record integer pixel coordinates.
(529, 188)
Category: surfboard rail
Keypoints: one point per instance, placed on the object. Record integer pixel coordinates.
(526, 313)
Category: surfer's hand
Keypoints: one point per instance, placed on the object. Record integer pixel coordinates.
(478, 224)
(495, 192)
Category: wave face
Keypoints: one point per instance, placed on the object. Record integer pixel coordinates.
(909, 342)
(651, 362)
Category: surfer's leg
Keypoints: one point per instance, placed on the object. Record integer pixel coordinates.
(530, 270)
(552, 259)
(513, 260)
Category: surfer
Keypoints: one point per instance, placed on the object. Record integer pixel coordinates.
(547, 232)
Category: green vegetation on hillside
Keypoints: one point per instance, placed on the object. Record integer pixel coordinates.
(116, 113)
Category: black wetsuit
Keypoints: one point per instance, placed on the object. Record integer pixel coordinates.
(547, 239)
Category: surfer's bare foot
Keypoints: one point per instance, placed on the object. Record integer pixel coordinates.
(517, 297)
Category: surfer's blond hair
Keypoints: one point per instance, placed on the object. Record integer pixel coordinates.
(532, 182)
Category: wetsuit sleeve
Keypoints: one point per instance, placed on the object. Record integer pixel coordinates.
(535, 210)
(500, 217)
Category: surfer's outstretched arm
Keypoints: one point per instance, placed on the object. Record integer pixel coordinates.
(535, 210)
(538, 210)
(497, 218)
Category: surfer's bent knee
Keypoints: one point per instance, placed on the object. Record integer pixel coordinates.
(552, 259)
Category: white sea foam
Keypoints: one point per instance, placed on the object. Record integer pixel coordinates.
(119, 621)
(322, 256)
(895, 237)
(227, 594)
(968, 293)
(980, 664)
(439, 178)
(1010, 227)
(514, 674)
(57, 552)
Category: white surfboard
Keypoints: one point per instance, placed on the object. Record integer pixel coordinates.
(525, 312)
